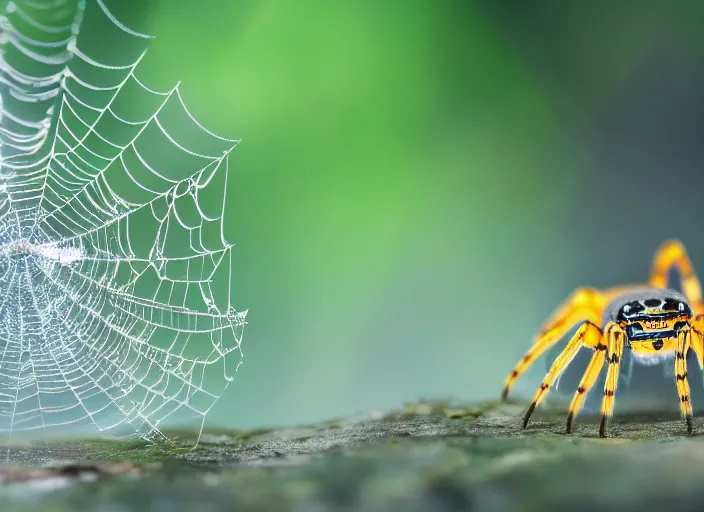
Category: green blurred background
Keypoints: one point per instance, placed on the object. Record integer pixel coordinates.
(420, 183)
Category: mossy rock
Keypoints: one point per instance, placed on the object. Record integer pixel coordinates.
(438, 456)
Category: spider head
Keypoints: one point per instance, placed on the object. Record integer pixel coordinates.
(650, 322)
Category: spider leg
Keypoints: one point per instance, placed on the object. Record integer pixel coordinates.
(673, 254)
(591, 374)
(588, 334)
(583, 304)
(683, 343)
(614, 342)
(697, 337)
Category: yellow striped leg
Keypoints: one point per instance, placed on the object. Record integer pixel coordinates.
(591, 374)
(673, 254)
(696, 338)
(583, 304)
(683, 343)
(587, 335)
(614, 341)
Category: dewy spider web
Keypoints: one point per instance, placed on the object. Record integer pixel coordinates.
(115, 311)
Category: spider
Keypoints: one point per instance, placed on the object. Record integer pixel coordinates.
(655, 323)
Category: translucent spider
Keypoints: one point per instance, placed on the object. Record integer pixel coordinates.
(656, 324)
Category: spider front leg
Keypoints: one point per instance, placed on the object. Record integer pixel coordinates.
(591, 374)
(588, 335)
(673, 254)
(683, 344)
(584, 304)
(614, 342)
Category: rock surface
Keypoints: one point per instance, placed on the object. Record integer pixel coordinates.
(428, 457)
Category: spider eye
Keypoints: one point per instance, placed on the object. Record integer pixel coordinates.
(630, 310)
(635, 307)
(681, 306)
(672, 305)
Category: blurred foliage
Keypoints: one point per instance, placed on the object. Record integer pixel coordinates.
(381, 182)
(418, 184)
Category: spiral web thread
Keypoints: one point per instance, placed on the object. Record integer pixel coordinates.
(115, 271)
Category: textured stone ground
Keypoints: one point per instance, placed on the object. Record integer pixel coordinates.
(428, 457)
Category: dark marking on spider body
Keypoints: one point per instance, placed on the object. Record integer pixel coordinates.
(652, 319)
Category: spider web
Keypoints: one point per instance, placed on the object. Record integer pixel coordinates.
(115, 271)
